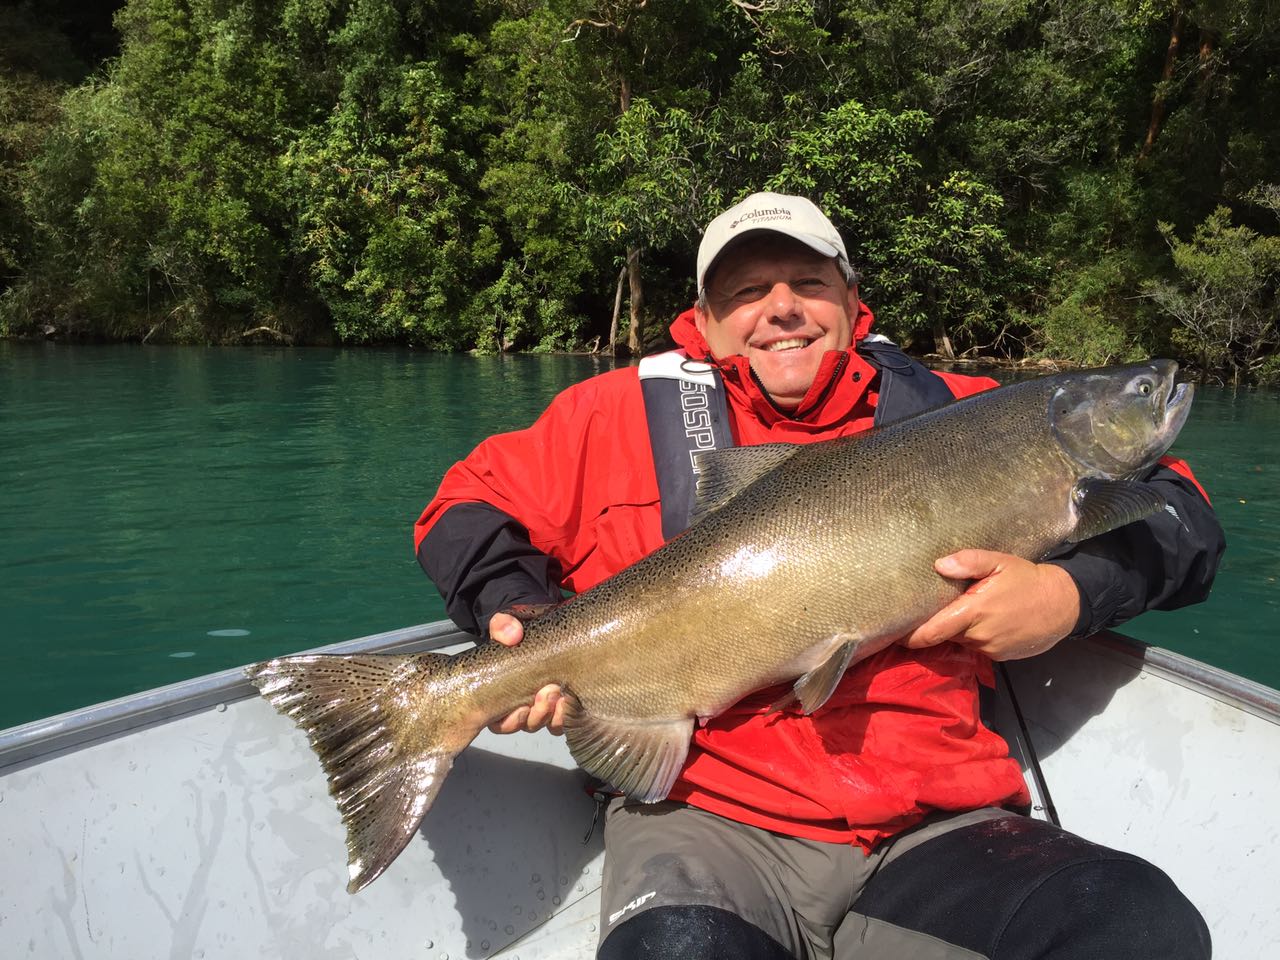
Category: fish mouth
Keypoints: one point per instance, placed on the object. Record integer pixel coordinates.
(1174, 403)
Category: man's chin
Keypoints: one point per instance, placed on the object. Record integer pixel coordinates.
(785, 391)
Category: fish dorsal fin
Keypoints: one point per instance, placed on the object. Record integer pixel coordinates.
(1103, 505)
(723, 474)
(642, 758)
(528, 612)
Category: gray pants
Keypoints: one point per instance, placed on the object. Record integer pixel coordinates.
(798, 891)
(969, 886)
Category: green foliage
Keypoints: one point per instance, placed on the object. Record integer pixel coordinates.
(1226, 296)
(474, 176)
(1090, 318)
(36, 64)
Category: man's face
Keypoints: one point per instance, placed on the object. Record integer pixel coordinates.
(782, 306)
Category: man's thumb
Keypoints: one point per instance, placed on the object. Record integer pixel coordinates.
(968, 564)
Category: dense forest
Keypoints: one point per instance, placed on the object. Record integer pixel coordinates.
(1089, 180)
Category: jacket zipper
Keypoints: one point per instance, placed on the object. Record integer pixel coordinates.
(801, 414)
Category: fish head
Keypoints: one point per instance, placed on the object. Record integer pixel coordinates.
(1117, 421)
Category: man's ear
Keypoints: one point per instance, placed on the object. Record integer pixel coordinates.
(700, 320)
(853, 303)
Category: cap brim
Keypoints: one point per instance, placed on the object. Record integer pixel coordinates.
(813, 243)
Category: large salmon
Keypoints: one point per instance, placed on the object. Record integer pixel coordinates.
(801, 560)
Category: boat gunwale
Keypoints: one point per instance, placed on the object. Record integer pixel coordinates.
(1219, 684)
(77, 728)
(43, 738)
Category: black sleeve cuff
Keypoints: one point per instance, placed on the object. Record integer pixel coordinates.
(1163, 562)
(482, 561)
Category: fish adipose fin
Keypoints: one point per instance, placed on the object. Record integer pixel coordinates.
(723, 474)
(642, 758)
(380, 774)
(1103, 505)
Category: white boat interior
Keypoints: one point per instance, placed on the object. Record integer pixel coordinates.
(194, 822)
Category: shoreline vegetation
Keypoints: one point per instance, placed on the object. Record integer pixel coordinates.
(1081, 180)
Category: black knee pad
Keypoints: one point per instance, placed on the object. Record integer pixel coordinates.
(690, 933)
(1108, 907)
(1016, 888)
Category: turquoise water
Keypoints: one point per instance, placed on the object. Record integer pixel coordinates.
(1232, 441)
(166, 512)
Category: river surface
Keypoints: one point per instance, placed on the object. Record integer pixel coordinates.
(166, 512)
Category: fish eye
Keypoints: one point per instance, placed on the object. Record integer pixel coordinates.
(1145, 389)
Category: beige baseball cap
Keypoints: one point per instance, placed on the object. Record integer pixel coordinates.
(793, 217)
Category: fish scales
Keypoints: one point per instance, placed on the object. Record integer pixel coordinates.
(817, 557)
(810, 567)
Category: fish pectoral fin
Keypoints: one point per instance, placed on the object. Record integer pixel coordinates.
(723, 474)
(815, 687)
(642, 758)
(1103, 505)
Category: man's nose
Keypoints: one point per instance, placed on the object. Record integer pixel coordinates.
(784, 305)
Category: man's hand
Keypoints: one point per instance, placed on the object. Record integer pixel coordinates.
(547, 709)
(1013, 609)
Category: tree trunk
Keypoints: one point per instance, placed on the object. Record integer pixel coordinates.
(942, 342)
(635, 338)
(617, 312)
(1160, 103)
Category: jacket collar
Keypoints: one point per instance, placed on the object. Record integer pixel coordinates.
(837, 392)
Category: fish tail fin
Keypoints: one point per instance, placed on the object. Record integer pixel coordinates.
(385, 734)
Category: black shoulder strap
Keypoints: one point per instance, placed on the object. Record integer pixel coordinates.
(685, 405)
(907, 387)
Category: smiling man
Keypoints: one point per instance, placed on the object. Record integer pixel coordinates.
(782, 301)
(884, 824)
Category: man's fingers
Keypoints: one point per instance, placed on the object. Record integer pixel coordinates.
(547, 710)
(506, 629)
(951, 621)
(544, 707)
(556, 725)
(513, 722)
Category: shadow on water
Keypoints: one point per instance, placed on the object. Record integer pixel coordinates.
(507, 835)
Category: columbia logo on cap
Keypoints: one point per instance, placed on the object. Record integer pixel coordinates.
(774, 213)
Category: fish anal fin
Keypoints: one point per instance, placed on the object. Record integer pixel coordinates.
(642, 758)
(814, 688)
(723, 474)
(784, 701)
(1103, 505)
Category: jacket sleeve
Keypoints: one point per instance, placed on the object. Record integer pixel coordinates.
(516, 520)
(1161, 563)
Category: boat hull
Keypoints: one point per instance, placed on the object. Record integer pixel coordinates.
(193, 821)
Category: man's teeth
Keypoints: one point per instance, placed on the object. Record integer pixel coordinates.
(792, 344)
